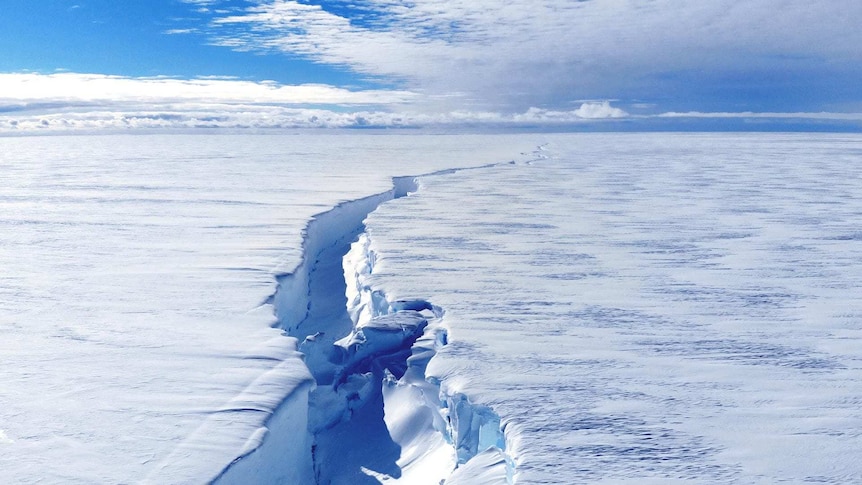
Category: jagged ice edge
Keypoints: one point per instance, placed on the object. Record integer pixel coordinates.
(290, 304)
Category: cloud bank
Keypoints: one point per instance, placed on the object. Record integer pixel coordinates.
(72, 102)
(32, 102)
(24, 88)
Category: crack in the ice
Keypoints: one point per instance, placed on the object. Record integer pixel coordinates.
(341, 350)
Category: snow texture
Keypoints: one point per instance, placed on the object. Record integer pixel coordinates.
(644, 308)
(617, 308)
(133, 342)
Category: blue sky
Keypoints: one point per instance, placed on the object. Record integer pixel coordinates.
(133, 39)
(281, 63)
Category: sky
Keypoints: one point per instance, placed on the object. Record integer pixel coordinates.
(545, 64)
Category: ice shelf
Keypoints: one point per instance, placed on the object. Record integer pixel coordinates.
(371, 412)
(135, 345)
(645, 309)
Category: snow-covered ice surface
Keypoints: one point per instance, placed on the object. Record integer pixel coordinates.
(649, 308)
(654, 308)
(134, 345)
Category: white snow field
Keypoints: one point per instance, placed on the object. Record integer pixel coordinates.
(609, 308)
(641, 308)
(134, 342)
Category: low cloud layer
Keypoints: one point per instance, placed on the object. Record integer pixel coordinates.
(72, 102)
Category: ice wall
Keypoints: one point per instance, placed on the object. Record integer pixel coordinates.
(467, 428)
(333, 227)
(367, 355)
(358, 347)
(262, 437)
(280, 450)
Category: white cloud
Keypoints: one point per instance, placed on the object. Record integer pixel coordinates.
(70, 88)
(587, 111)
(599, 110)
(32, 102)
(63, 102)
(180, 31)
(518, 53)
(821, 115)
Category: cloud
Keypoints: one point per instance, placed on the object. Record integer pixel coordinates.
(599, 110)
(31, 102)
(180, 31)
(73, 101)
(74, 88)
(267, 117)
(822, 115)
(512, 54)
(587, 111)
(70, 102)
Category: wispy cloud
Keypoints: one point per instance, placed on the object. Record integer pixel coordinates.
(514, 54)
(180, 31)
(801, 115)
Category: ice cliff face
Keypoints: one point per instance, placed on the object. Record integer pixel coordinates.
(368, 356)
(468, 428)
